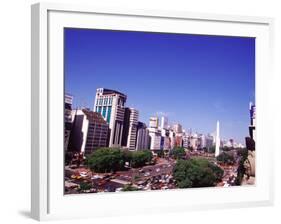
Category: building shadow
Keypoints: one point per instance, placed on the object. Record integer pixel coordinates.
(25, 213)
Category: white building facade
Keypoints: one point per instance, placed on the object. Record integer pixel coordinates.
(133, 126)
(154, 138)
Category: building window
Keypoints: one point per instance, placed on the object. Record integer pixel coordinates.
(110, 100)
(108, 114)
(104, 111)
(100, 101)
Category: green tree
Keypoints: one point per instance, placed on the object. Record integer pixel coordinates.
(243, 153)
(178, 153)
(106, 160)
(85, 186)
(226, 158)
(196, 173)
(140, 158)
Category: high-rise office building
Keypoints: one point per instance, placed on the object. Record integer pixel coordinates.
(154, 134)
(111, 105)
(97, 135)
(142, 137)
(89, 132)
(126, 126)
(129, 137)
(67, 119)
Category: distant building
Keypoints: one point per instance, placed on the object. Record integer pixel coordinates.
(172, 137)
(194, 143)
(177, 128)
(154, 139)
(142, 137)
(185, 141)
(153, 122)
(165, 140)
(166, 143)
(67, 119)
(178, 141)
(209, 141)
(89, 131)
(202, 141)
(111, 105)
(164, 122)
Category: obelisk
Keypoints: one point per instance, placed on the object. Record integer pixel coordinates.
(217, 152)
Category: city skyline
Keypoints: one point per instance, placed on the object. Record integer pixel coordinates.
(192, 79)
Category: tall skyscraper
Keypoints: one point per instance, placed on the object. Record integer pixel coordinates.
(217, 152)
(164, 122)
(111, 105)
(126, 126)
(133, 126)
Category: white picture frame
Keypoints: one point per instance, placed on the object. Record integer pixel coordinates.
(48, 201)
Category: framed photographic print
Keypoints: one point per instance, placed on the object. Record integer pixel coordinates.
(148, 111)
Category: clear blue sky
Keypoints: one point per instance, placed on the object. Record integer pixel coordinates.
(192, 79)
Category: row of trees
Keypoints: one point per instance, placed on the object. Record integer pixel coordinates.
(196, 173)
(226, 158)
(178, 153)
(113, 159)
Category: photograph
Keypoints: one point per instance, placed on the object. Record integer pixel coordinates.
(147, 111)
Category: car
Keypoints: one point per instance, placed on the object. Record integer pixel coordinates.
(83, 174)
(146, 174)
(96, 177)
